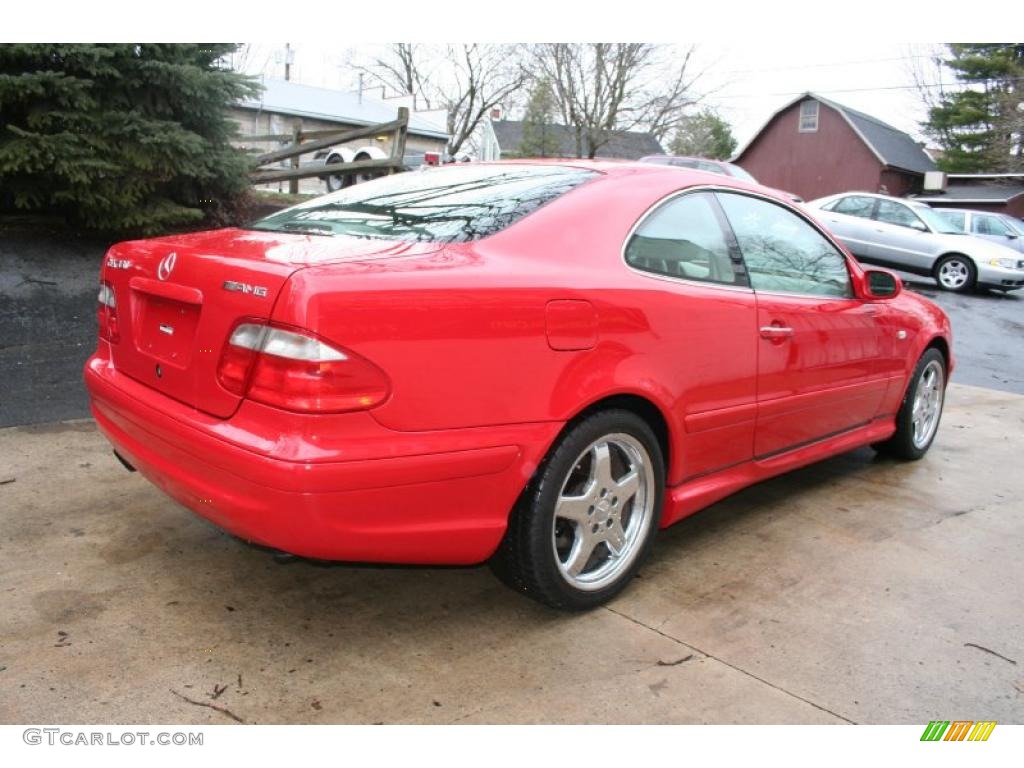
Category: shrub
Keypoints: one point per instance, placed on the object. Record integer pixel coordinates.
(121, 138)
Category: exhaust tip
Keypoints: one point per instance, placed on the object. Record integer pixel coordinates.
(124, 462)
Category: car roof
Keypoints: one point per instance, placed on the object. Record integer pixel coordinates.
(620, 167)
(681, 177)
(855, 193)
(972, 210)
(665, 159)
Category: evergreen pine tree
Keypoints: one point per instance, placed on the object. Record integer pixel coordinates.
(123, 137)
(540, 135)
(981, 127)
(704, 135)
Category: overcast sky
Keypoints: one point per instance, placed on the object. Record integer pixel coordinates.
(746, 82)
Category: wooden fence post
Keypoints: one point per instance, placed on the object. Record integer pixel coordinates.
(398, 139)
(293, 184)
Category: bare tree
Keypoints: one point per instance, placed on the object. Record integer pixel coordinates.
(479, 78)
(930, 76)
(467, 81)
(400, 68)
(601, 87)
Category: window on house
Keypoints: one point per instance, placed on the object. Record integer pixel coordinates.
(809, 116)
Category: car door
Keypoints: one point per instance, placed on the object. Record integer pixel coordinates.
(901, 238)
(821, 350)
(849, 219)
(706, 313)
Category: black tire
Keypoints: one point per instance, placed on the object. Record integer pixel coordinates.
(957, 265)
(335, 182)
(902, 445)
(528, 560)
(365, 176)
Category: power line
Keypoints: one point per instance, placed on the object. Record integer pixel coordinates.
(914, 86)
(820, 65)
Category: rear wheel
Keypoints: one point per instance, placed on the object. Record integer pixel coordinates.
(337, 181)
(918, 418)
(586, 522)
(956, 273)
(359, 178)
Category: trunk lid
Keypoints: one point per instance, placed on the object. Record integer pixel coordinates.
(178, 299)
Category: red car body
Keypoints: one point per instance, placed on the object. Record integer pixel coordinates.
(488, 349)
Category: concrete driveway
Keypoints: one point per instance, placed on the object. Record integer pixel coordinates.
(859, 590)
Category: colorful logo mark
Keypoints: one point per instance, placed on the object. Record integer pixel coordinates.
(958, 730)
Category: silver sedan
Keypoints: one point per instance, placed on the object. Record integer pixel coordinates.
(996, 227)
(910, 235)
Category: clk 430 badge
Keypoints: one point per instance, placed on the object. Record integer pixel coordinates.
(255, 290)
(118, 263)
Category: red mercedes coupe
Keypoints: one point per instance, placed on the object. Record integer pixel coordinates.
(533, 364)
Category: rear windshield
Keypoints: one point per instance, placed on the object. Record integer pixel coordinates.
(443, 205)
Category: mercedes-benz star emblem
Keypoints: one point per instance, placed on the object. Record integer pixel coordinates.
(166, 265)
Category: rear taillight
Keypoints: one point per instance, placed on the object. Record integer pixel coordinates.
(294, 370)
(106, 313)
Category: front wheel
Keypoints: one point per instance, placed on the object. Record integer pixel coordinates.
(586, 522)
(918, 418)
(956, 273)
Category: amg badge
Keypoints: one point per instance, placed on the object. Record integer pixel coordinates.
(255, 290)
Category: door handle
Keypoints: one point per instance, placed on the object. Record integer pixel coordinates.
(776, 332)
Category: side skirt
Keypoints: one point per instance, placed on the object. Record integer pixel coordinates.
(685, 499)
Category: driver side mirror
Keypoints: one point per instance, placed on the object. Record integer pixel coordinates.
(880, 284)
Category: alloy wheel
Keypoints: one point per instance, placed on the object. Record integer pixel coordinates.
(603, 512)
(954, 274)
(927, 406)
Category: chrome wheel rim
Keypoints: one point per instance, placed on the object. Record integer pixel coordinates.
(927, 404)
(954, 274)
(604, 512)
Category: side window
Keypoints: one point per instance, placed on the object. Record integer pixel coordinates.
(898, 214)
(956, 218)
(855, 205)
(683, 238)
(782, 251)
(990, 225)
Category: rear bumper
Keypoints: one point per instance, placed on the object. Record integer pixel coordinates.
(337, 487)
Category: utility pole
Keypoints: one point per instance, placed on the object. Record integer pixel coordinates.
(287, 61)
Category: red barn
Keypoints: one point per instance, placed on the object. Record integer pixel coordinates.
(816, 147)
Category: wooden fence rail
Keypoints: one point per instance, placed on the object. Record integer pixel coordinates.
(266, 176)
(305, 142)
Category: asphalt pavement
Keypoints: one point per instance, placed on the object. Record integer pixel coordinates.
(860, 589)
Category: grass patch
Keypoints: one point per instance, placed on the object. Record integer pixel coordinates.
(281, 198)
